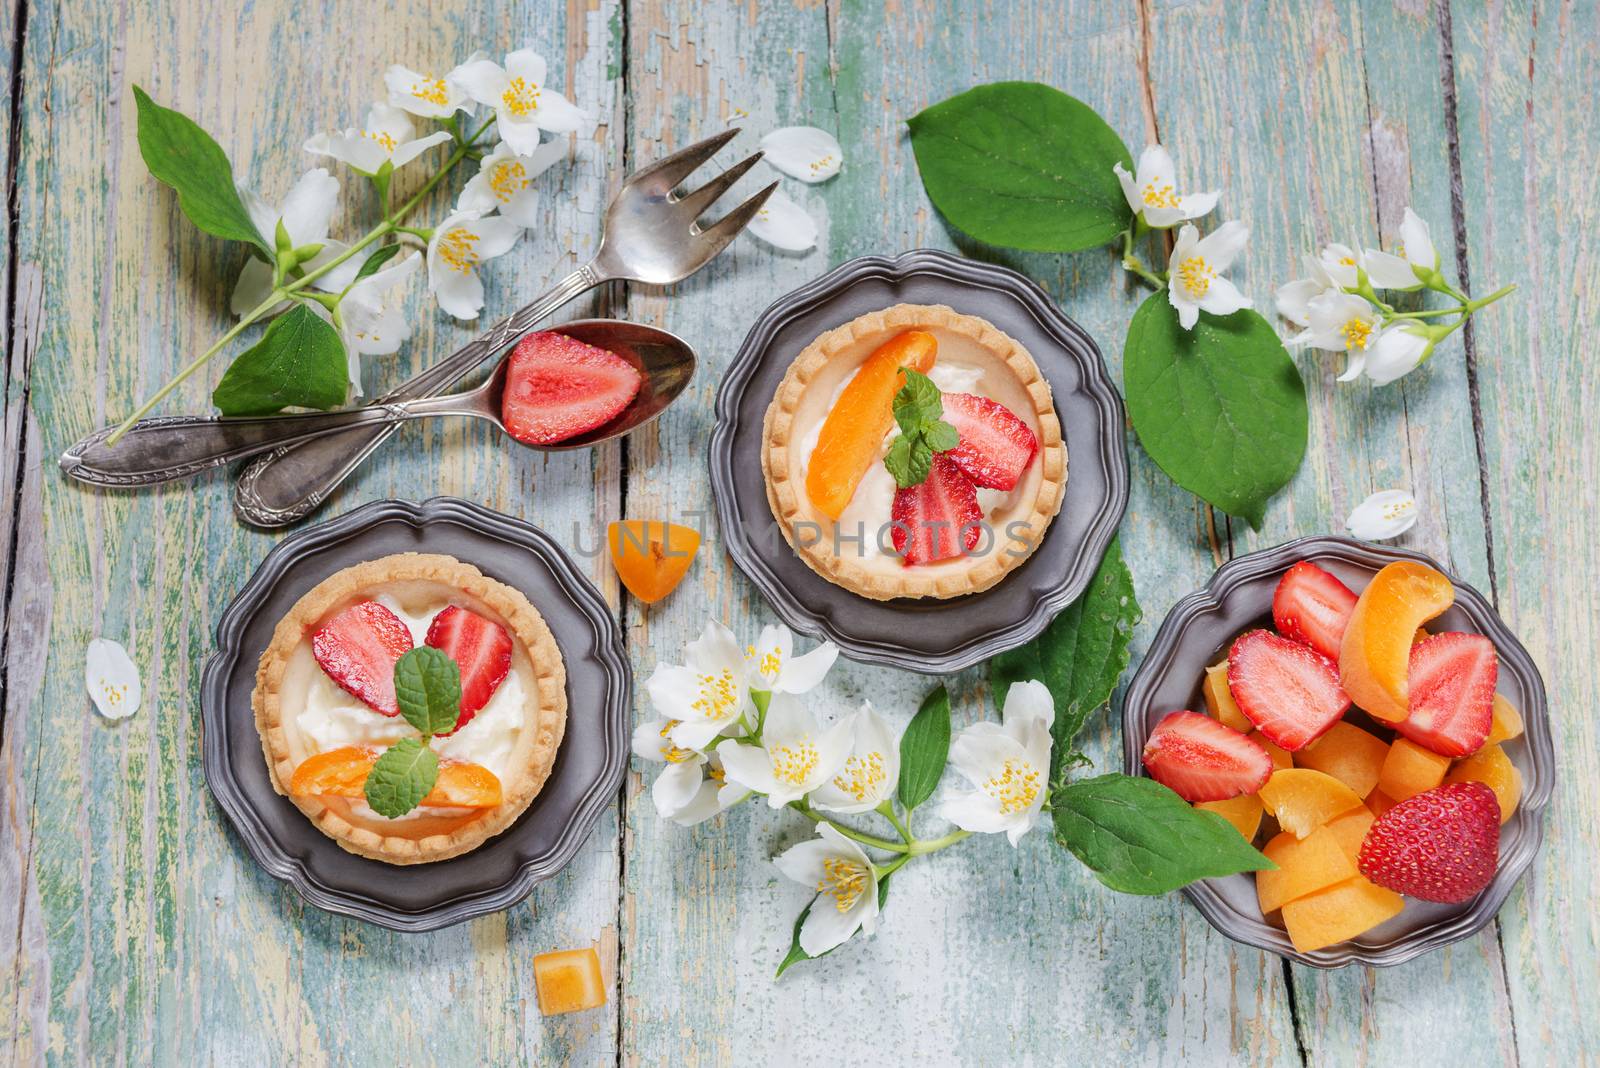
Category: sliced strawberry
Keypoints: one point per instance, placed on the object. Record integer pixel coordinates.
(1199, 759)
(1452, 678)
(480, 648)
(1289, 691)
(937, 519)
(996, 446)
(1312, 606)
(1440, 845)
(358, 649)
(557, 388)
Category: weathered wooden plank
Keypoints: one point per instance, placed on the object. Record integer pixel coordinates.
(147, 934)
(1530, 155)
(707, 916)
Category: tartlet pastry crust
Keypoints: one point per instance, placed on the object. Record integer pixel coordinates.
(787, 495)
(547, 701)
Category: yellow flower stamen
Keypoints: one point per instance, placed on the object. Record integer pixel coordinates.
(1348, 261)
(507, 179)
(521, 98)
(794, 764)
(1357, 334)
(458, 249)
(1016, 787)
(843, 880)
(862, 776)
(719, 697)
(818, 166)
(113, 694)
(1196, 275)
(383, 139)
(431, 90)
(670, 751)
(1160, 196)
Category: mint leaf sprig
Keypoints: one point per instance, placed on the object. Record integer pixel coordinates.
(427, 687)
(919, 412)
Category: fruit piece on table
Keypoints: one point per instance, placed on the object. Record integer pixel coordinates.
(480, 647)
(1375, 656)
(1452, 679)
(1379, 802)
(651, 556)
(557, 387)
(1219, 701)
(1303, 800)
(358, 649)
(1201, 760)
(1442, 845)
(343, 773)
(1349, 754)
(1338, 913)
(1505, 722)
(996, 447)
(851, 438)
(568, 980)
(1244, 812)
(1494, 769)
(1313, 607)
(1350, 830)
(1289, 691)
(1409, 769)
(937, 519)
(1305, 865)
(1281, 757)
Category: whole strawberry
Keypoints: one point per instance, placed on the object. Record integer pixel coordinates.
(1441, 845)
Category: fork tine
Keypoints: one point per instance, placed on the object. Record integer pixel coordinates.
(696, 203)
(714, 238)
(664, 174)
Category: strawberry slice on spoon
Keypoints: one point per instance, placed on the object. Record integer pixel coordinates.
(557, 387)
(358, 649)
(996, 447)
(480, 648)
(939, 517)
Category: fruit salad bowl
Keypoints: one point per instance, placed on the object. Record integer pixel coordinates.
(1198, 633)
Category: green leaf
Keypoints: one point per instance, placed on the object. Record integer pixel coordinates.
(796, 954)
(182, 155)
(918, 398)
(370, 266)
(924, 748)
(1221, 408)
(299, 361)
(941, 436)
(1139, 837)
(401, 778)
(1023, 165)
(1079, 656)
(427, 686)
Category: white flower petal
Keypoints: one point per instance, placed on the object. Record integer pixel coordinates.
(749, 767)
(803, 152)
(1354, 364)
(1385, 514)
(706, 802)
(112, 679)
(1341, 263)
(528, 65)
(675, 787)
(558, 115)
(1156, 167)
(784, 224)
(1395, 353)
(826, 928)
(973, 810)
(1417, 242)
(1292, 299)
(1389, 271)
(1222, 246)
(482, 78)
(801, 674)
(1194, 205)
(1130, 188)
(1029, 703)
(410, 150)
(1188, 310)
(459, 294)
(253, 287)
(1223, 298)
(522, 134)
(421, 94)
(308, 209)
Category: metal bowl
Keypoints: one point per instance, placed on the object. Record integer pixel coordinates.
(502, 871)
(929, 636)
(1197, 632)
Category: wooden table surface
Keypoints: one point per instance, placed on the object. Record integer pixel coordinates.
(134, 928)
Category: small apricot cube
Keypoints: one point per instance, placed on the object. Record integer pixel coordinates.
(1303, 800)
(1351, 830)
(1219, 700)
(1304, 867)
(1244, 812)
(1410, 769)
(1505, 724)
(1379, 802)
(1340, 912)
(1494, 769)
(568, 980)
(651, 556)
(1281, 757)
(1375, 653)
(1349, 754)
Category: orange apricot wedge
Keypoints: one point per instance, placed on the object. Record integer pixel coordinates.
(1505, 724)
(568, 980)
(1340, 912)
(343, 773)
(1375, 655)
(1494, 769)
(851, 437)
(1244, 812)
(651, 556)
(1303, 800)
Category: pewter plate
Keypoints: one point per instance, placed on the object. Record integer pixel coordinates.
(929, 636)
(1197, 632)
(501, 872)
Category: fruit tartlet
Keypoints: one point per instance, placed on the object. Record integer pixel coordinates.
(1365, 753)
(326, 705)
(914, 452)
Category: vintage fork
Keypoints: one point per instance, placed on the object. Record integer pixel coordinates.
(651, 234)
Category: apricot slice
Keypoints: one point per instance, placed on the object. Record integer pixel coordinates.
(1281, 757)
(1494, 769)
(1349, 754)
(568, 980)
(1305, 865)
(1379, 802)
(1351, 830)
(1303, 800)
(851, 438)
(1409, 769)
(651, 556)
(1219, 699)
(1340, 912)
(343, 773)
(1244, 812)
(1505, 724)
(1375, 655)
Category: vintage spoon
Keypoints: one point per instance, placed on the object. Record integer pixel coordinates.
(172, 447)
